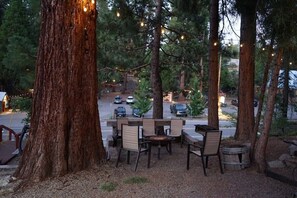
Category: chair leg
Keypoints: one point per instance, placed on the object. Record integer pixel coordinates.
(114, 138)
(188, 157)
(221, 166)
(149, 157)
(128, 157)
(118, 157)
(137, 159)
(202, 158)
(206, 164)
(181, 141)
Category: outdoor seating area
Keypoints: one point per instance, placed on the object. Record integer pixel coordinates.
(143, 135)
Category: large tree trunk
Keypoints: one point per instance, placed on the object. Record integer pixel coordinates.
(286, 86)
(245, 119)
(65, 134)
(155, 73)
(213, 71)
(263, 139)
(261, 96)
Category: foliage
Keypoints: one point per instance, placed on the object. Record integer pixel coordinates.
(121, 45)
(136, 180)
(18, 44)
(197, 102)
(24, 104)
(108, 186)
(142, 97)
(229, 80)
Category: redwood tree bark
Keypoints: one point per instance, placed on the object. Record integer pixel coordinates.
(65, 134)
(213, 71)
(245, 119)
(155, 65)
(263, 139)
(261, 96)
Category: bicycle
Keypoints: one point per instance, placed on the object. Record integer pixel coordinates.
(24, 138)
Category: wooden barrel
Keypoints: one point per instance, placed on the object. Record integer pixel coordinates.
(236, 157)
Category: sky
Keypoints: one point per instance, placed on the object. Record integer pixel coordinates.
(229, 34)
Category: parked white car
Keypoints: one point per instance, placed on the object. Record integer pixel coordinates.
(130, 100)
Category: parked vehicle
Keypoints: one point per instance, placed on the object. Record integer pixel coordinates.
(179, 109)
(120, 111)
(130, 100)
(235, 102)
(136, 112)
(118, 100)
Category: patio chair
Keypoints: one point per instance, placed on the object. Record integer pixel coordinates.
(176, 130)
(148, 128)
(210, 147)
(118, 132)
(131, 142)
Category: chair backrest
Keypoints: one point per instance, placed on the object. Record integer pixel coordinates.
(130, 137)
(212, 141)
(176, 127)
(148, 127)
(121, 121)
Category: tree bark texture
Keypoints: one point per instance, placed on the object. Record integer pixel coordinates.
(65, 134)
(261, 96)
(261, 144)
(155, 65)
(286, 86)
(245, 119)
(213, 71)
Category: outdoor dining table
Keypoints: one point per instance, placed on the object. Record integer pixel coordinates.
(161, 140)
(202, 129)
(138, 122)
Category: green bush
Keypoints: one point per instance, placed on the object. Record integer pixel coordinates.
(136, 180)
(24, 105)
(108, 186)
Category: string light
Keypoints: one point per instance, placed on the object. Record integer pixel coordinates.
(241, 45)
(290, 63)
(87, 5)
(141, 23)
(215, 43)
(272, 54)
(263, 49)
(118, 14)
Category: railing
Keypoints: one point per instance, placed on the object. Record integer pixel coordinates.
(10, 133)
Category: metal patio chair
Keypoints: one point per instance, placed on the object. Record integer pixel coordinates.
(210, 147)
(118, 132)
(176, 130)
(131, 142)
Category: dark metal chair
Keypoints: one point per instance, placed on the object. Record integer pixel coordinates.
(210, 147)
(118, 132)
(176, 130)
(131, 142)
(148, 127)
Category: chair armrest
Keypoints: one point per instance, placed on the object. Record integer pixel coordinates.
(191, 145)
(145, 144)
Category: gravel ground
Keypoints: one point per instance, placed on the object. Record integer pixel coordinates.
(166, 177)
